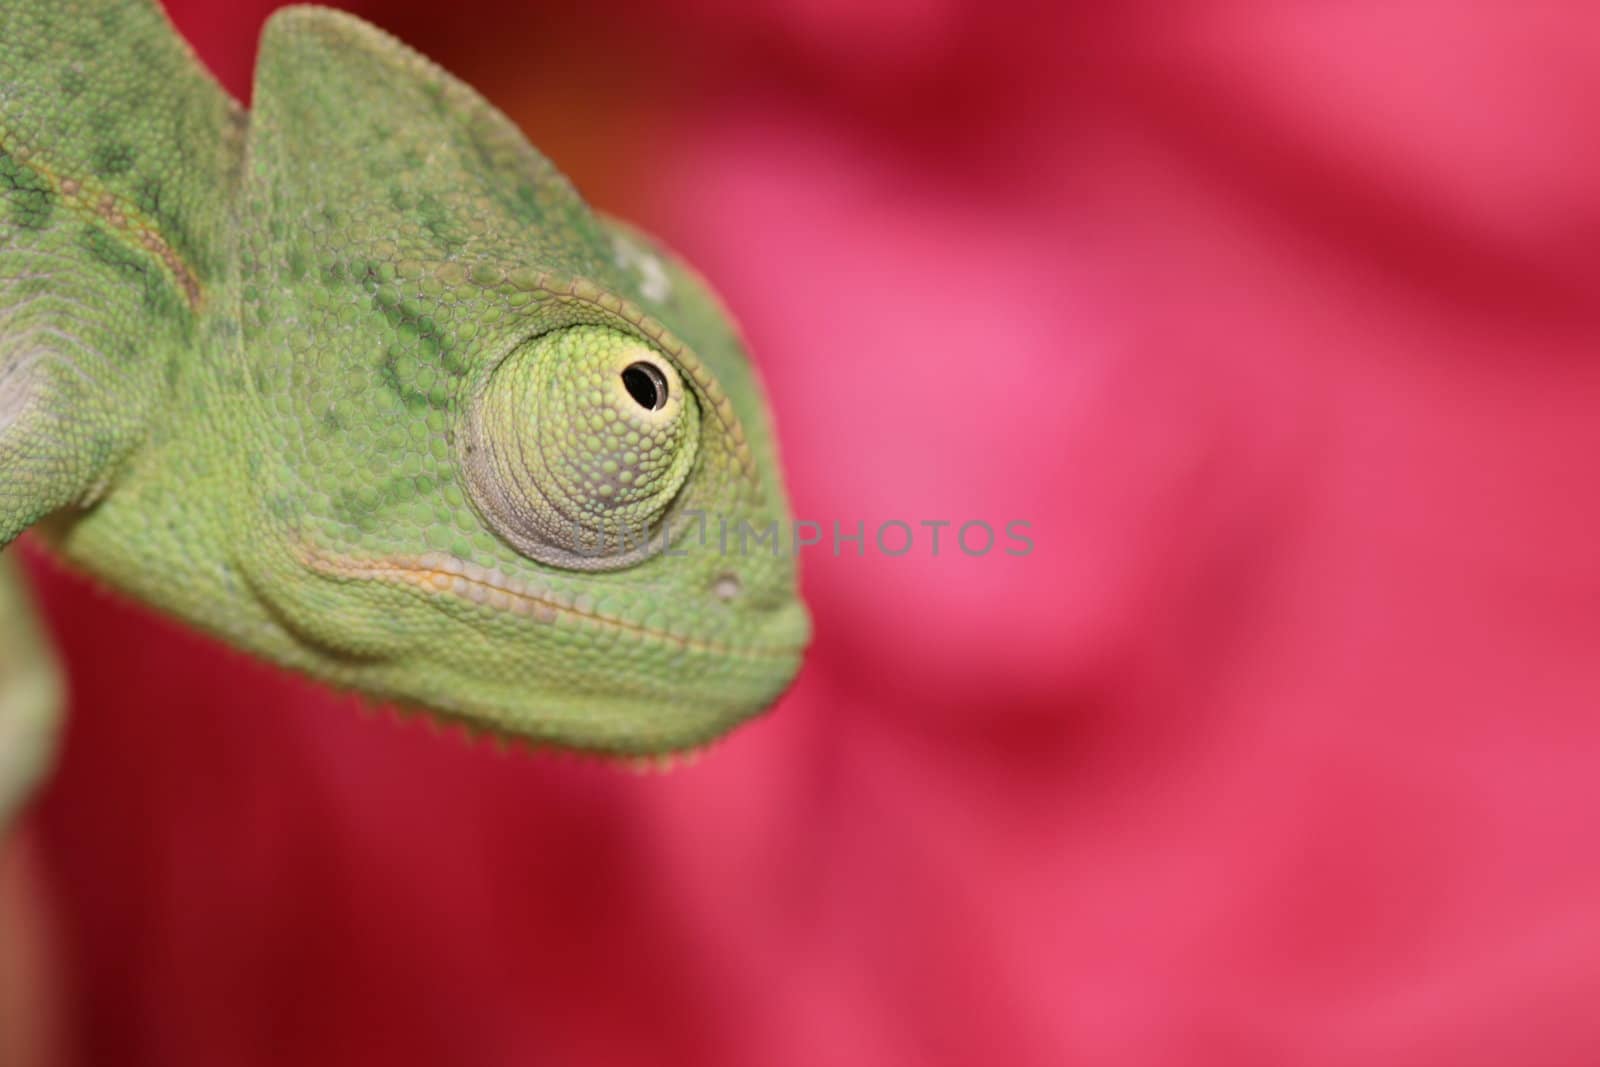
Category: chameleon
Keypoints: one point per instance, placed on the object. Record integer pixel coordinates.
(355, 381)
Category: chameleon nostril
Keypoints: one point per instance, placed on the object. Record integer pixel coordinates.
(726, 587)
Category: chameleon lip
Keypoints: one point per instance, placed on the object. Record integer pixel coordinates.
(444, 574)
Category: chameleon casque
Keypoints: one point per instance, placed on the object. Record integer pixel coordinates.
(357, 382)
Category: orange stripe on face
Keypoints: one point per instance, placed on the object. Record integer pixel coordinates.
(88, 199)
(446, 575)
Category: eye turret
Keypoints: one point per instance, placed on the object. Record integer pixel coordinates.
(578, 445)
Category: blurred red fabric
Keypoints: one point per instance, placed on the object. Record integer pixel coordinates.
(1276, 322)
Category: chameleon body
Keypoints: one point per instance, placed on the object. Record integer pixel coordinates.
(357, 382)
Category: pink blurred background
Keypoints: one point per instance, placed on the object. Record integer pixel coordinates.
(1277, 322)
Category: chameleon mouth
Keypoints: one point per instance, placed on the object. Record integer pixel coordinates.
(442, 574)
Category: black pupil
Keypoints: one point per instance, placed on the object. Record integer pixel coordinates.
(646, 385)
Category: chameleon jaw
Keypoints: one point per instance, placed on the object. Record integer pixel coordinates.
(472, 733)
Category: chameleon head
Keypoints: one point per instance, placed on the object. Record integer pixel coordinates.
(409, 415)
(509, 459)
(579, 543)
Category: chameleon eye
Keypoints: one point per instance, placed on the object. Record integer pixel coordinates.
(577, 445)
(646, 384)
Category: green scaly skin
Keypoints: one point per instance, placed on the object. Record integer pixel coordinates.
(353, 381)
